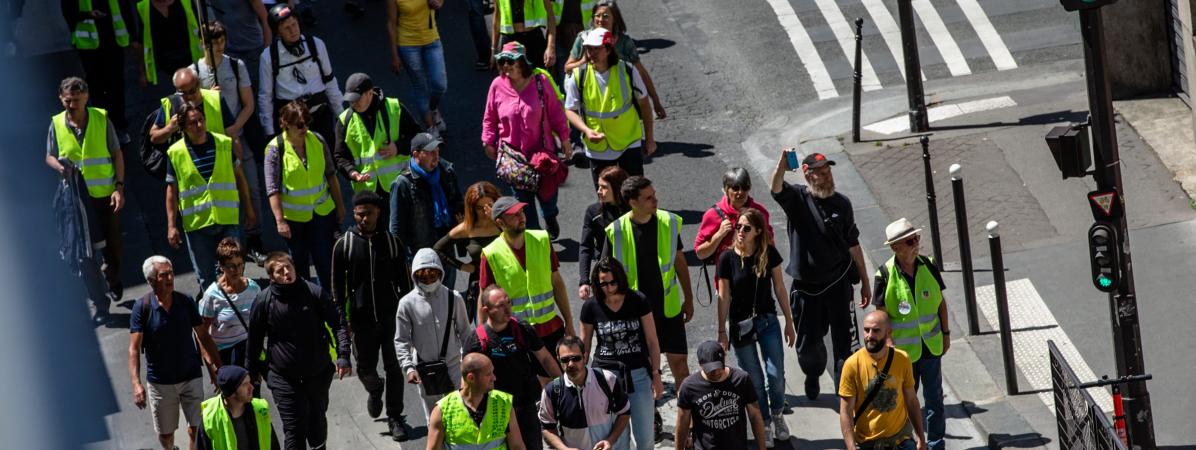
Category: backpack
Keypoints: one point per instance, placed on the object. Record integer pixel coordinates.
(315, 55)
(484, 337)
(635, 100)
(232, 62)
(558, 384)
(153, 156)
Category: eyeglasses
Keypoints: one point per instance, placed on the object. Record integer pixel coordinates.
(913, 241)
(610, 283)
(739, 188)
(743, 227)
(570, 359)
(298, 75)
(301, 126)
(506, 61)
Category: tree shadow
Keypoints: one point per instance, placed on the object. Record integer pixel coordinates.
(647, 45)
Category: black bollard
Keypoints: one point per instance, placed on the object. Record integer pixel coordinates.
(855, 93)
(965, 249)
(994, 248)
(932, 208)
(919, 122)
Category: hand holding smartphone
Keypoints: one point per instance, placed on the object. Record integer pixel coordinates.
(791, 159)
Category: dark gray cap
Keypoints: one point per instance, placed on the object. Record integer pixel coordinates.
(505, 205)
(425, 141)
(711, 356)
(357, 84)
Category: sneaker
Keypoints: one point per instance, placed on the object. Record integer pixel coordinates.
(100, 318)
(439, 121)
(780, 429)
(373, 404)
(658, 427)
(398, 429)
(768, 442)
(552, 227)
(812, 387)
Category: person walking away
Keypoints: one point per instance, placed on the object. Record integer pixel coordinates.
(100, 32)
(368, 267)
(717, 406)
(303, 192)
(749, 275)
(165, 325)
(227, 303)
(522, 119)
(478, 10)
(477, 415)
(909, 288)
(525, 265)
(296, 67)
(825, 260)
(599, 102)
(518, 356)
(609, 207)
(606, 14)
(303, 333)
(415, 49)
(248, 31)
(619, 323)
(167, 39)
(716, 233)
(426, 200)
(584, 408)
(235, 419)
(475, 232)
(531, 22)
(84, 136)
(878, 400)
(423, 320)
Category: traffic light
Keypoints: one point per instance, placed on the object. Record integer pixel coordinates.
(1104, 250)
(1069, 146)
(1076, 5)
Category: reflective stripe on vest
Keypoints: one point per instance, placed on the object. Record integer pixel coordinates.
(921, 324)
(534, 15)
(91, 155)
(87, 34)
(213, 116)
(587, 11)
(219, 426)
(460, 431)
(364, 146)
(531, 296)
(304, 188)
(668, 229)
(151, 70)
(214, 201)
(610, 112)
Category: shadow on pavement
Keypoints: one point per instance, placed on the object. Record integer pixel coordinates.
(647, 45)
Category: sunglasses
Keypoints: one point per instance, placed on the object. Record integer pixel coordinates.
(740, 188)
(570, 359)
(506, 61)
(743, 227)
(913, 241)
(301, 126)
(608, 283)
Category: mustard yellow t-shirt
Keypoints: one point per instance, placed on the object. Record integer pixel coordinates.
(886, 415)
(417, 24)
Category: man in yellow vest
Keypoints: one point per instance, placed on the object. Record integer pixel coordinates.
(910, 289)
(477, 416)
(86, 138)
(234, 420)
(647, 241)
(529, 22)
(204, 185)
(165, 20)
(167, 128)
(100, 33)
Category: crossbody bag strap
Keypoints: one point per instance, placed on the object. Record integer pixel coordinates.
(547, 130)
(448, 324)
(232, 305)
(882, 377)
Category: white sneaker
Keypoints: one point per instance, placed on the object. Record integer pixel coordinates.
(438, 120)
(781, 430)
(768, 443)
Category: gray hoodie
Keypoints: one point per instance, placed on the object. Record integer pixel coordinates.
(420, 322)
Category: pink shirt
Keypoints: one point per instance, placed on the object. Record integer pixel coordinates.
(517, 117)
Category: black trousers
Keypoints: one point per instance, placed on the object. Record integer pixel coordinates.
(529, 426)
(632, 161)
(534, 45)
(302, 403)
(815, 314)
(105, 67)
(370, 339)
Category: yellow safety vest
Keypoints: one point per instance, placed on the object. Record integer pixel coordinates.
(534, 15)
(213, 116)
(219, 426)
(92, 155)
(151, 70)
(920, 322)
(304, 188)
(587, 11)
(668, 229)
(87, 35)
(364, 146)
(530, 290)
(612, 112)
(461, 433)
(214, 201)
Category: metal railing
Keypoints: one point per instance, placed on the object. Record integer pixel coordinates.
(1082, 424)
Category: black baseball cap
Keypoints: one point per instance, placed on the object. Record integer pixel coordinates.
(816, 160)
(711, 356)
(356, 86)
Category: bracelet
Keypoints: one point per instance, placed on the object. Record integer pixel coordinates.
(119, 184)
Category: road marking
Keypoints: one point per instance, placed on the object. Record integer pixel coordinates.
(988, 35)
(900, 124)
(942, 38)
(1033, 324)
(805, 49)
(845, 34)
(889, 32)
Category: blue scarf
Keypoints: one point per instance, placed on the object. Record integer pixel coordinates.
(441, 216)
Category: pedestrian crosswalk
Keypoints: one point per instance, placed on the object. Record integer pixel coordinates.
(955, 38)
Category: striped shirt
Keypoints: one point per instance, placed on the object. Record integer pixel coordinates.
(227, 331)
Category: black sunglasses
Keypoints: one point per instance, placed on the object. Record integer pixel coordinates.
(570, 359)
(608, 283)
(743, 227)
(506, 61)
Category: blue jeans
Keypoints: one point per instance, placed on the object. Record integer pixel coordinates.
(429, 81)
(547, 208)
(643, 410)
(928, 372)
(768, 341)
(201, 244)
(311, 243)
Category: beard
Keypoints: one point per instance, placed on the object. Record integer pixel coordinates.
(874, 346)
(822, 190)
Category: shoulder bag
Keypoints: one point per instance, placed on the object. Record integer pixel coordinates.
(433, 375)
(880, 382)
(511, 165)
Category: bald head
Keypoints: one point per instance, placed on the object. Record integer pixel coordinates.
(876, 331)
(474, 362)
(184, 77)
(878, 318)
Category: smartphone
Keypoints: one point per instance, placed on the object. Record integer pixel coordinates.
(791, 159)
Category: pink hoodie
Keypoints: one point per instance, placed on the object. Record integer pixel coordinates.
(711, 221)
(517, 118)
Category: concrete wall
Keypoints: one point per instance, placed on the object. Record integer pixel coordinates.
(1139, 55)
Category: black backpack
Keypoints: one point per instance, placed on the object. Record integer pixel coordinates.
(153, 156)
(308, 42)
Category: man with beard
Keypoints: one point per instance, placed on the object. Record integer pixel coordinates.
(878, 403)
(825, 260)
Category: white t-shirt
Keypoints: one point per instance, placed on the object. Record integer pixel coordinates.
(227, 330)
(573, 103)
(231, 97)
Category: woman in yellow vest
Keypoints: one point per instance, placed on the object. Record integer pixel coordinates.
(169, 38)
(606, 15)
(303, 191)
(531, 22)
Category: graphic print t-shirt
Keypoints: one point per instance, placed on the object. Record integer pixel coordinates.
(718, 410)
(619, 335)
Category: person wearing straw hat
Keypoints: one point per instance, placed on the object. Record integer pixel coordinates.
(909, 288)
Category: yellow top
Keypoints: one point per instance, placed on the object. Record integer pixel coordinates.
(886, 415)
(417, 24)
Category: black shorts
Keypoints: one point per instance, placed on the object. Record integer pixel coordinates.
(670, 333)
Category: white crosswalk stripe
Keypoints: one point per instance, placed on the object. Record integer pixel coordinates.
(942, 38)
(988, 35)
(846, 36)
(805, 49)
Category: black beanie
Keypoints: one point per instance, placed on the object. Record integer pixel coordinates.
(229, 377)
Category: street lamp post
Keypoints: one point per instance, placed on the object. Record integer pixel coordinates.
(918, 122)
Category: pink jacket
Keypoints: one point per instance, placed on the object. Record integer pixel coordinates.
(517, 118)
(711, 221)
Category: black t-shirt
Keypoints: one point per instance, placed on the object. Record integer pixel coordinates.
(478, 415)
(746, 288)
(172, 45)
(619, 336)
(718, 410)
(817, 257)
(514, 364)
(244, 428)
(647, 266)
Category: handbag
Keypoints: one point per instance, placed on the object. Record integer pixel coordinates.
(744, 330)
(512, 166)
(433, 375)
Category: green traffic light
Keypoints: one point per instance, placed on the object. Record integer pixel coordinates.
(1104, 281)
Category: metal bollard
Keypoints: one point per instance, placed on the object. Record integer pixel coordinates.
(932, 208)
(855, 93)
(994, 248)
(965, 249)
